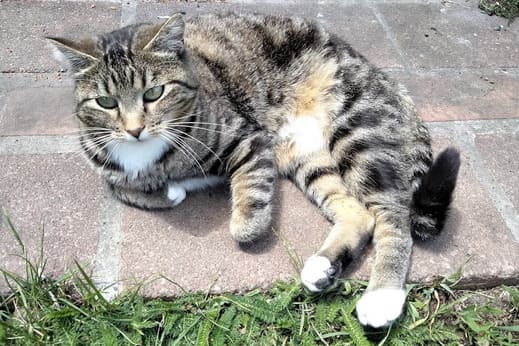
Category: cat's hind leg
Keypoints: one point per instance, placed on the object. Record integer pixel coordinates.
(384, 298)
(317, 175)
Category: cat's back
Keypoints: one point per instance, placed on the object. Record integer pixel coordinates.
(238, 39)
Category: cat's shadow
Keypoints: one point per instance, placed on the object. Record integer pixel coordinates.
(209, 211)
(444, 241)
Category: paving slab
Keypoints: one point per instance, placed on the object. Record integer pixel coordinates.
(33, 110)
(455, 63)
(442, 95)
(501, 155)
(437, 36)
(191, 245)
(57, 192)
(24, 26)
(357, 24)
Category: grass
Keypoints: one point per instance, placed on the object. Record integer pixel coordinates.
(71, 311)
(503, 8)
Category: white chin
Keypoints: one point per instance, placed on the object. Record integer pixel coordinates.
(138, 155)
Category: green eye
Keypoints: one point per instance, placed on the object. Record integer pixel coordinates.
(153, 94)
(107, 102)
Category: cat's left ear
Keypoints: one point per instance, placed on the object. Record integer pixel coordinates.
(79, 56)
(168, 37)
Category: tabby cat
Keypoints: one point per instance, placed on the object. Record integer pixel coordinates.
(176, 107)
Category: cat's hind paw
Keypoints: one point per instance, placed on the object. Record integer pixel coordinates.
(319, 273)
(176, 193)
(380, 307)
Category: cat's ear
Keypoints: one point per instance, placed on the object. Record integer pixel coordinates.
(79, 56)
(167, 37)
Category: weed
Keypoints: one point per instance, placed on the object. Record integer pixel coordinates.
(71, 310)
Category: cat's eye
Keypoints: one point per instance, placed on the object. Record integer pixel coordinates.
(107, 102)
(153, 94)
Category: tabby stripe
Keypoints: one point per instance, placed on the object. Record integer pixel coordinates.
(317, 173)
(380, 175)
(262, 164)
(358, 146)
(240, 163)
(340, 133)
(261, 187)
(258, 204)
(327, 197)
(184, 84)
(224, 155)
(238, 98)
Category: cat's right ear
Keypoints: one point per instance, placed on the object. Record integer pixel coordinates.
(78, 56)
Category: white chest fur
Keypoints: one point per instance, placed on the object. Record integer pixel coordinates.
(136, 156)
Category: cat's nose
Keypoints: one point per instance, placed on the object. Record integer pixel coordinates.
(136, 132)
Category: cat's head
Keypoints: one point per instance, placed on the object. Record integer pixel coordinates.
(131, 83)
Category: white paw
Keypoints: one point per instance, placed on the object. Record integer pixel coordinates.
(318, 273)
(176, 193)
(381, 307)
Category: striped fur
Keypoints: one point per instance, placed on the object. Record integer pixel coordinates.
(249, 98)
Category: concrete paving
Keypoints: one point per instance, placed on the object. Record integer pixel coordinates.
(460, 65)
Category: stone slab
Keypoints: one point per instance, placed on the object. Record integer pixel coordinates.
(437, 36)
(356, 24)
(24, 27)
(35, 110)
(192, 247)
(58, 193)
(462, 95)
(501, 154)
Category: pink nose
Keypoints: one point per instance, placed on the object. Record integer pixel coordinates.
(135, 132)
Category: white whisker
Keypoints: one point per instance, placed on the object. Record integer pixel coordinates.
(196, 139)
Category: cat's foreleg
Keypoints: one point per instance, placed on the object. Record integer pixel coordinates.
(252, 174)
(155, 200)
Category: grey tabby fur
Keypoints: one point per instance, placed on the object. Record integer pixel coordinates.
(248, 99)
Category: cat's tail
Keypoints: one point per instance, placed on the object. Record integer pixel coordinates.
(433, 196)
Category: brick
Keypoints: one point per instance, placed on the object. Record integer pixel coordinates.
(24, 27)
(58, 193)
(462, 95)
(435, 36)
(356, 24)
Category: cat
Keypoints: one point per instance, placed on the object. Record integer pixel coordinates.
(244, 99)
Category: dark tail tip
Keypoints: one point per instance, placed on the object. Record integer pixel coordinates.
(432, 198)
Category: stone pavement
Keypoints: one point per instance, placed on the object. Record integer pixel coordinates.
(460, 65)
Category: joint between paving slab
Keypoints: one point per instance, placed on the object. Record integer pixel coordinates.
(389, 35)
(464, 135)
(38, 145)
(108, 254)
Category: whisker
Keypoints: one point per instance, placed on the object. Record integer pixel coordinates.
(199, 141)
(190, 151)
(202, 128)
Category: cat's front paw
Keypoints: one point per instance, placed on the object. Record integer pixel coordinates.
(319, 273)
(380, 307)
(176, 193)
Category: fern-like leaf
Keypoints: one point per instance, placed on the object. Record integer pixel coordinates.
(354, 330)
(224, 325)
(205, 328)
